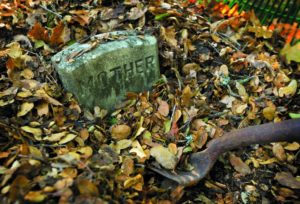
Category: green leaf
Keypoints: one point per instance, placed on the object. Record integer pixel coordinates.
(187, 149)
(160, 17)
(294, 115)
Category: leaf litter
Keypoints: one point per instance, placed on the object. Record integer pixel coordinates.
(218, 74)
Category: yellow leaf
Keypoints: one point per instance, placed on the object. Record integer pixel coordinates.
(269, 161)
(35, 196)
(37, 132)
(85, 152)
(242, 91)
(186, 96)
(15, 50)
(133, 181)
(25, 108)
(269, 112)
(291, 53)
(292, 146)
(55, 137)
(67, 138)
(289, 90)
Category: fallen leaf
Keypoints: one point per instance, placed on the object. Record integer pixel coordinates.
(127, 166)
(168, 34)
(26, 107)
(269, 112)
(288, 180)
(291, 53)
(87, 188)
(186, 96)
(239, 165)
(279, 152)
(289, 90)
(187, 68)
(164, 157)
(35, 196)
(67, 138)
(38, 32)
(37, 132)
(136, 13)
(120, 132)
(60, 34)
(163, 108)
(138, 179)
(292, 146)
(137, 149)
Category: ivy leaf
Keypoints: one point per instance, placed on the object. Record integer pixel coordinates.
(291, 53)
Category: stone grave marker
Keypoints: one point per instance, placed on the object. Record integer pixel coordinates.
(101, 74)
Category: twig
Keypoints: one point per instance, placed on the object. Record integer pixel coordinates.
(45, 8)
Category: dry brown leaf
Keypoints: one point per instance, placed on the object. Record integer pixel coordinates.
(239, 165)
(41, 93)
(120, 132)
(84, 134)
(42, 109)
(169, 35)
(279, 152)
(60, 34)
(19, 187)
(288, 180)
(187, 68)
(87, 188)
(136, 13)
(127, 166)
(38, 32)
(187, 94)
(163, 108)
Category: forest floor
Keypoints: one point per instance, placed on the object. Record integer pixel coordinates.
(219, 73)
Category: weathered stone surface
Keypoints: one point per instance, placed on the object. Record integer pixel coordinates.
(103, 75)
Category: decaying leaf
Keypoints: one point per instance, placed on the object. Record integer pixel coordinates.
(279, 152)
(239, 165)
(288, 180)
(120, 132)
(164, 157)
(87, 188)
(163, 108)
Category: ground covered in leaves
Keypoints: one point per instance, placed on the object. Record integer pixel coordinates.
(218, 74)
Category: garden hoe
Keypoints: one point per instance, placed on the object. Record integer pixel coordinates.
(203, 161)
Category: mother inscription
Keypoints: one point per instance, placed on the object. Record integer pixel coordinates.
(103, 75)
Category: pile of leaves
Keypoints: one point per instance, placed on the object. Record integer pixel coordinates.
(218, 74)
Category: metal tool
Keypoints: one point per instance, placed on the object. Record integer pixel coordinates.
(203, 161)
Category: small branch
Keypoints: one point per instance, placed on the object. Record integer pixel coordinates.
(46, 9)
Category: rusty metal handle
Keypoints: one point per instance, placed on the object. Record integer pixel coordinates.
(288, 131)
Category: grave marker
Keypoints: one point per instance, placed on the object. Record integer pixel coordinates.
(101, 75)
